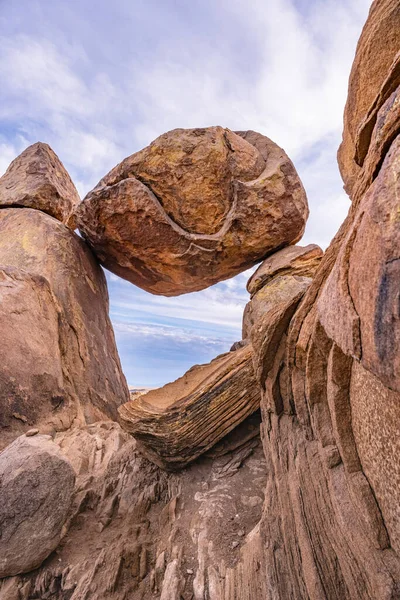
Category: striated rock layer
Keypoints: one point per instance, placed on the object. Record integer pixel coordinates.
(178, 422)
(193, 208)
(37, 179)
(58, 360)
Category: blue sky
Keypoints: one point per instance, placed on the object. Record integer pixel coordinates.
(98, 80)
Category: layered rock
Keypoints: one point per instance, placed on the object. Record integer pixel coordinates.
(37, 179)
(193, 208)
(374, 76)
(36, 489)
(58, 360)
(178, 422)
(330, 527)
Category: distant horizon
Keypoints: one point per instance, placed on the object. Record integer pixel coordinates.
(99, 85)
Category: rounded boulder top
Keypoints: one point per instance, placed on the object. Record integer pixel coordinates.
(194, 207)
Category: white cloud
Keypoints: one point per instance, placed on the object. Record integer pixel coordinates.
(97, 91)
(148, 332)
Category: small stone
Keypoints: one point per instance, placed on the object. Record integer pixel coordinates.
(31, 432)
(189, 571)
(241, 533)
(235, 545)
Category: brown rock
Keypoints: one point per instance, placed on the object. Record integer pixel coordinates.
(36, 486)
(178, 422)
(37, 179)
(193, 208)
(294, 260)
(158, 519)
(372, 73)
(59, 363)
(269, 313)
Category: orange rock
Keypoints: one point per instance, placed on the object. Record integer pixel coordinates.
(372, 73)
(58, 360)
(37, 179)
(193, 208)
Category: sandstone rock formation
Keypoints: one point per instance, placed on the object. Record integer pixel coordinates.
(37, 179)
(135, 531)
(374, 76)
(315, 516)
(58, 360)
(193, 208)
(178, 422)
(294, 260)
(36, 488)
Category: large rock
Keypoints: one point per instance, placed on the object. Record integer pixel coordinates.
(374, 76)
(178, 422)
(37, 179)
(58, 360)
(276, 289)
(294, 260)
(36, 487)
(193, 208)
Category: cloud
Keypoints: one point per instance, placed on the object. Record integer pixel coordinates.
(99, 80)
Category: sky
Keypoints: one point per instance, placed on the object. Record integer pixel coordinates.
(99, 80)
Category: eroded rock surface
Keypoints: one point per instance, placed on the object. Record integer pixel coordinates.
(36, 489)
(178, 422)
(58, 360)
(37, 179)
(330, 527)
(374, 76)
(300, 261)
(193, 208)
(135, 531)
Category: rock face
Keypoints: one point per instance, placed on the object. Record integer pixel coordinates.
(193, 208)
(178, 422)
(374, 76)
(330, 526)
(58, 360)
(37, 179)
(36, 488)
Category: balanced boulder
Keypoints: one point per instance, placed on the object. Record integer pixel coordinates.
(36, 489)
(195, 207)
(58, 359)
(178, 422)
(37, 179)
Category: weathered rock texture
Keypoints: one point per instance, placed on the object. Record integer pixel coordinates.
(330, 527)
(135, 531)
(374, 76)
(37, 179)
(58, 360)
(178, 422)
(294, 260)
(36, 489)
(193, 208)
(328, 524)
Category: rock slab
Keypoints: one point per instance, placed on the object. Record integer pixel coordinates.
(180, 421)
